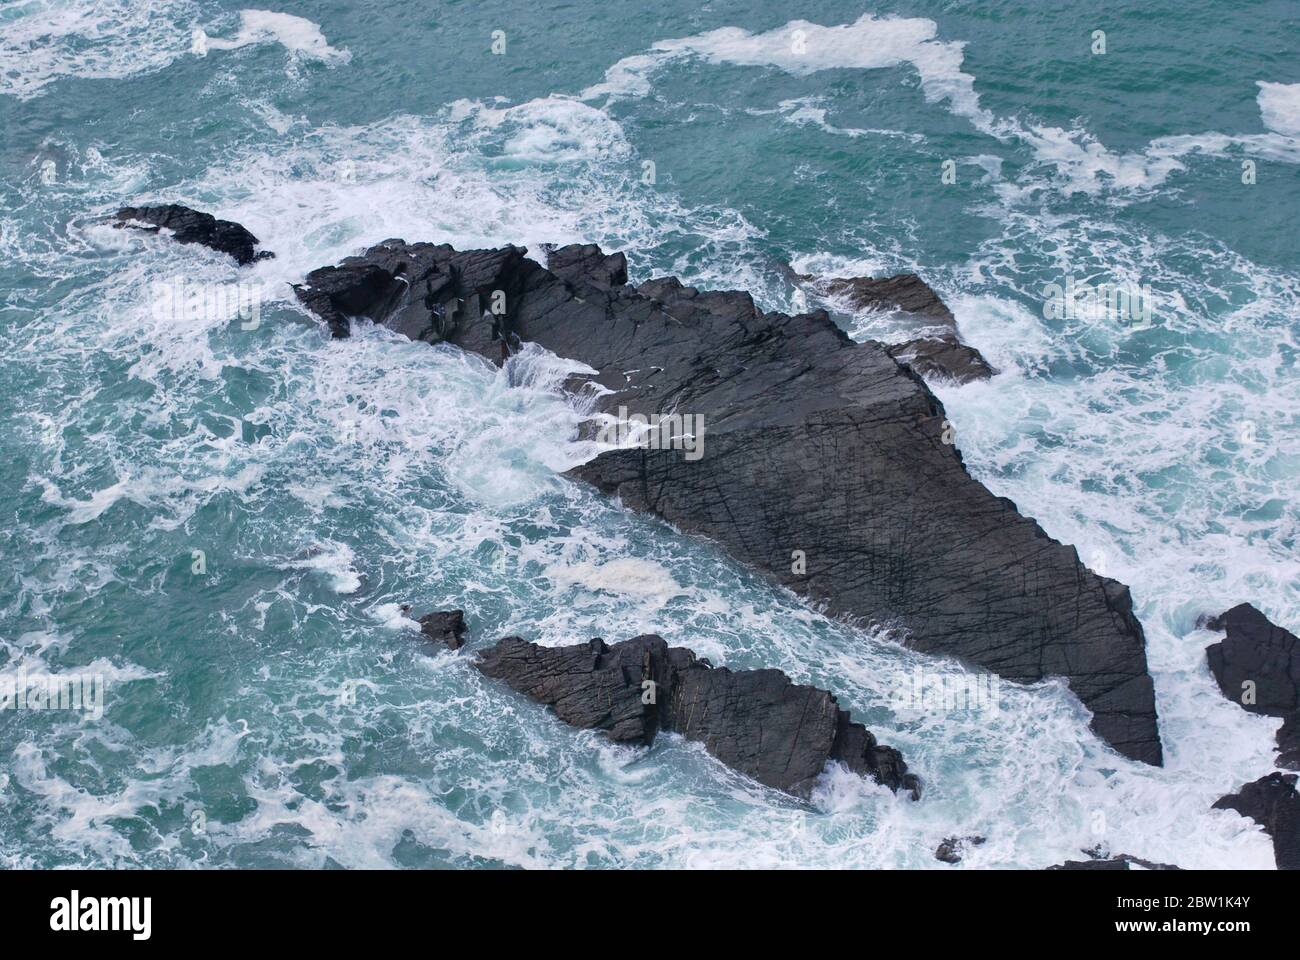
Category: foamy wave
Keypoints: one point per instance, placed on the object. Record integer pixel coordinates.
(298, 35)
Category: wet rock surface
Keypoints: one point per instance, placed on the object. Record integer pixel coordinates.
(938, 352)
(446, 627)
(952, 848)
(824, 462)
(186, 225)
(757, 722)
(1274, 804)
(1257, 664)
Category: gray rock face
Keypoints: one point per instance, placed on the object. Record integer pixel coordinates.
(191, 226)
(1259, 653)
(756, 721)
(939, 351)
(824, 462)
(445, 626)
(952, 848)
(1273, 803)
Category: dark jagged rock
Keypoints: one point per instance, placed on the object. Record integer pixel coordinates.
(1255, 657)
(1288, 742)
(814, 443)
(1273, 803)
(756, 721)
(938, 352)
(1121, 862)
(191, 226)
(952, 848)
(944, 356)
(445, 626)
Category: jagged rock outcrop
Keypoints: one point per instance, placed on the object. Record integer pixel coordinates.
(952, 848)
(756, 721)
(943, 356)
(824, 461)
(1273, 803)
(938, 351)
(1257, 664)
(1121, 862)
(191, 226)
(445, 626)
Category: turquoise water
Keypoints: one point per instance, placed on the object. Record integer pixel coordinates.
(328, 483)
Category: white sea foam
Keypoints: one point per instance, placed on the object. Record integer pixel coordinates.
(1279, 107)
(298, 35)
(43, 40)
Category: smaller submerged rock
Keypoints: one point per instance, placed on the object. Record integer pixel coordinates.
(1274, 804)
(758, 722)
(186, 225)
(445, 626)
(938, 351)
(952, 848)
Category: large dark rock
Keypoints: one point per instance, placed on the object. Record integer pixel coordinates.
(190, 226)
(825, 463)
(1121, 862)
(445, 626)
(756, 721)
(1273, 803)
(1257, 664)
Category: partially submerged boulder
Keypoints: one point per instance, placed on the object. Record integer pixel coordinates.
(445, 626)
(938, 351)
(1273, 803)
(944, 356)
(1257, 664)
(186, 225)
(952, 849)
(758, 722)
(825, 463)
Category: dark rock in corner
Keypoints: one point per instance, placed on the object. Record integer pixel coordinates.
(191, 226)
(1121, 862)
(445, 626)
(756, 721)
(1257, 658)
(813, 443)
(1273, 803)
(952, 848)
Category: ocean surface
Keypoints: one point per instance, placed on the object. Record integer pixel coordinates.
(221, 516)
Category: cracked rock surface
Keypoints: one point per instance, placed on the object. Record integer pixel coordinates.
(192, 226)
(811, 443)
(758, 722)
